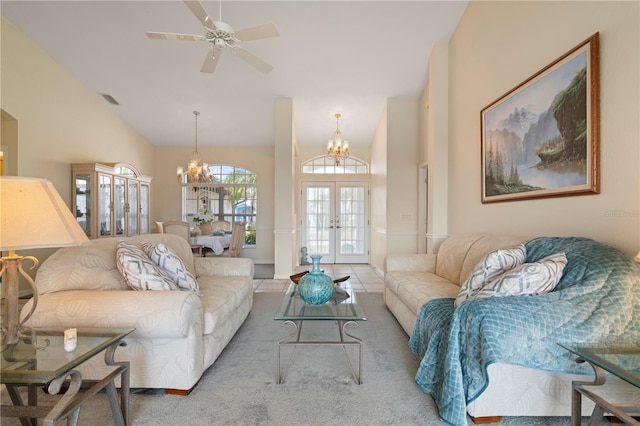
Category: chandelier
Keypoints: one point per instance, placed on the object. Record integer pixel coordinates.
(195, 172)
(337, 148)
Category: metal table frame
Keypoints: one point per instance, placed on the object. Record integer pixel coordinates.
(342, 325)
(624, 412)
(343, 309)
(68, 407)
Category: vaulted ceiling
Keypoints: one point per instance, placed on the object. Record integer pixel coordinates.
(331, 57)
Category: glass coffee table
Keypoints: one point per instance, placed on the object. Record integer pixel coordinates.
(619, 359)
(342, 309)
(24, 365)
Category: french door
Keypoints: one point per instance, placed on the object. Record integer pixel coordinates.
(335, 221)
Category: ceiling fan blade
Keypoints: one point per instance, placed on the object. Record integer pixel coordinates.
(210, 61)
(196, 8)
(256, 33)
(171, 36)
(253, 60)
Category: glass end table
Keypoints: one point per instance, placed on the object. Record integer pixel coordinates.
(343, 309)
(621, 359)
(24, 365)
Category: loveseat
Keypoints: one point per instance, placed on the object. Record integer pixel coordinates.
(178, 333)
(597, 298)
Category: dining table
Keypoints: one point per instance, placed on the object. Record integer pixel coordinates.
(217, 243)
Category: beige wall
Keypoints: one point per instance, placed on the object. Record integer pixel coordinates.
(496, 46)
(435, 147)
(285, 236)
(59, 120)
(378, 190)
(394, 181)
(403, 116)
(9, 144)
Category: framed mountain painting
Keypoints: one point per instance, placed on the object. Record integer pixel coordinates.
(542, 138)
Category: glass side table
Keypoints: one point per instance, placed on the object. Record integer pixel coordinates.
(23, 365)
(619, 359)
(343, 309)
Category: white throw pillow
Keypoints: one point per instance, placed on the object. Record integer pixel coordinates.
(528, 279)
(162, 256)
(491, 266)
(139, 271)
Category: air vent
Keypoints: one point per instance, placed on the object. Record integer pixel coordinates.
(109, 99)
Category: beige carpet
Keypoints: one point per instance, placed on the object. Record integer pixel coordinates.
(240, 388)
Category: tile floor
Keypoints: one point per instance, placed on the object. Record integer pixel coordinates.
(362, 278)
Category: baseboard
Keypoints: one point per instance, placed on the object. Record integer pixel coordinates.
(379, 272)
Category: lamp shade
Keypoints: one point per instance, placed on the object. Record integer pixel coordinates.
(638, 256)
(33, 215)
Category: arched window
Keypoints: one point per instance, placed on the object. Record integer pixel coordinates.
(325, 165)
(233, 196)
(125, 170)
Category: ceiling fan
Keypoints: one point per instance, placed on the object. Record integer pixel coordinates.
(221, 36)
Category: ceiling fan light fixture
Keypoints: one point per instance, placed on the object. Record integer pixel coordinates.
(337, 148)
(222, 35)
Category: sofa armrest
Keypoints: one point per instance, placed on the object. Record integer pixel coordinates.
(229, 266)
(154, 314)
(411, 262)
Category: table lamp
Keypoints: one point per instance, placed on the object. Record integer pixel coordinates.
(32, 215)
(638, 256)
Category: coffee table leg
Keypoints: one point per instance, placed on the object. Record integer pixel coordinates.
(576, 406)
(296, 332)
(16, 399)
(356, 340)
(120, 413)
(576, 398)
(75, 381)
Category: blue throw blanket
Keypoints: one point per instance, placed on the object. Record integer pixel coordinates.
(597, 299)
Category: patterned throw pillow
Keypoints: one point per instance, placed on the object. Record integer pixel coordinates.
(491, 266)
(139, 271)
(528, 279)
(162, 256)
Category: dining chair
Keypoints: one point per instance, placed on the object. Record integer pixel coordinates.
(237, 240)
(181, 228)
(221, 225)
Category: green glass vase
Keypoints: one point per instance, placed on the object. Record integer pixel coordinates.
(316, 287)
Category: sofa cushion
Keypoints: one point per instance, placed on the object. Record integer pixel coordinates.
(86, 267)
(221, 296)
(489, 268)
(93, 266)
(527, 279)
(415, 289)
(452, 254)
(139, 271)
(165, 258)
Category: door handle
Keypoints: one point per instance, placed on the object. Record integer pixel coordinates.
(331, 227)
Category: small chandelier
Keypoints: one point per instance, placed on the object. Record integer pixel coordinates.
(337, 148)
(195, 172)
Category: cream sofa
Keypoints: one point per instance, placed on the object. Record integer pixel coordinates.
(178, 334)
(412, 280)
